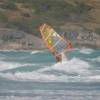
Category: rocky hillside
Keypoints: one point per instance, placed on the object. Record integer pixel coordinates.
(19, 21)
(18, 40)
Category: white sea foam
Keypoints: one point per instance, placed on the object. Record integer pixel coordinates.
(12, 65)
(97, 59)
(71, 70)
(11, 50)
(74, 65)
(47, 77)
(37, 51)
(68, 67)
(86, 51)
(8, 65)
(54, 95)
(21, 98)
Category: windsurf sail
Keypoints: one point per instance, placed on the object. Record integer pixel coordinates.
(53, 41)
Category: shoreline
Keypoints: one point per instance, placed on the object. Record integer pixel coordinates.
(45, 49)
(23, 50)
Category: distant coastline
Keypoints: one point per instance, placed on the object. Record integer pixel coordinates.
(18, 40)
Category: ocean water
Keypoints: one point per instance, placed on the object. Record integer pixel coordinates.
(34, 75)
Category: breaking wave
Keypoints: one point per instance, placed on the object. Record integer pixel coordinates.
(37, 51)
(97, 59)
(86, 51)
(72, 70)
(8, 65)
(66, 71)
(12, 65)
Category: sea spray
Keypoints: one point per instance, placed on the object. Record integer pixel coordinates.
(64, 58)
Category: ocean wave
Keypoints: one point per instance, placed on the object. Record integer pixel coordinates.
(74, 66)
(32, 76)
(11, 50)
(51, 95)
(86, 51)
(8, 65)
(37, 51)
(97, 59)
(12, 65)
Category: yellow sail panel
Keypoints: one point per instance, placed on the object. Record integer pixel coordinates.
(53, 41)
(46, 32)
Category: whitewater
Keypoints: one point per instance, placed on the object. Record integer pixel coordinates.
(35, 75)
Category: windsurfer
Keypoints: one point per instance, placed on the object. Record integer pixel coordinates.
(56, 43)
(69, 44)
(57, 56)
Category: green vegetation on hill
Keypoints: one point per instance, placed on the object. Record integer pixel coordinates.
(3, 18)
(55, 8)
(97, 30)
(35, 12)
(8, 5)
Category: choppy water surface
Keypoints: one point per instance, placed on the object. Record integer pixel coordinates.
(34, 75)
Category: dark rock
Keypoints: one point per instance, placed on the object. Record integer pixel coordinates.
(11, 35)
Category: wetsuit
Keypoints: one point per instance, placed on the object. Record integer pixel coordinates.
(57, 56)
